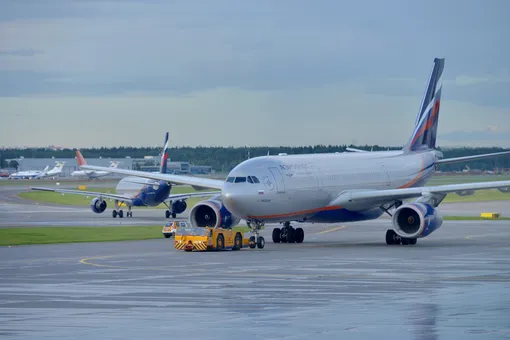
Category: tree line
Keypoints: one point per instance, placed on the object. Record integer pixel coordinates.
(223, 159)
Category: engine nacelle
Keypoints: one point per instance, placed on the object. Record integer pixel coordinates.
(465, 192)
(416, 220)
(98, 205)
(178, 207)
(212, 213)
(506, 190)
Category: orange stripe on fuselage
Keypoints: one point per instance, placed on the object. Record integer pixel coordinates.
(418, 177)
(303, 212)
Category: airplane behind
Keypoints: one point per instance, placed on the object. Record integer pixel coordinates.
(136, 192)
(337, 187)
(30, 174)
(56, 171)
(90, 174)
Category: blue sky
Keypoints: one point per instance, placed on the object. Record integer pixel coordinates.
(92, 73)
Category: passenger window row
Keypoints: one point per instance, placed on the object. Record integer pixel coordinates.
(249, 179)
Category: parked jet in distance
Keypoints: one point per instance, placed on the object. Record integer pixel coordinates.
(36, 174)
(90, 174)
(30, 174)
(56, 171)
(137, 192)
(337, 187)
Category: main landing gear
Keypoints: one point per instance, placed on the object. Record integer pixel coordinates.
(118, 212)
(393, 238)
(255, 240)
(169, 213)
(287, 234)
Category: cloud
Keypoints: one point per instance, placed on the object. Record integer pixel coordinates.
(471, 80)
(489, 134)
(21, 52)
(232, 116)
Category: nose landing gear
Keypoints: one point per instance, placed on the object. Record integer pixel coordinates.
(255, 240)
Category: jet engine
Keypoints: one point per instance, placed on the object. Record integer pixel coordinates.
(98, 205)
(416, 220)
(212, 213)
(504, 189)
(465, 192)
(178, 207)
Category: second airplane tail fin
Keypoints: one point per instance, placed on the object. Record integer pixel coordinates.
(81, 159)
(425, 130)
(164, 156)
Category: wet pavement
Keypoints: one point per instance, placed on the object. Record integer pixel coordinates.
(344, 281)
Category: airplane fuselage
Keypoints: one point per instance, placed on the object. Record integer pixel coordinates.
(150, 194)
(301, 187)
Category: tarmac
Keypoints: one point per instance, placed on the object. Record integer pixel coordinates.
(342, 282)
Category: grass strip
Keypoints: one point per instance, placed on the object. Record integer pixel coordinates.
(53, 235)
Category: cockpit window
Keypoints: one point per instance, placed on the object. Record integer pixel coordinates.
(240, 180)
(249, 179)
(230, 179)
(255, 179)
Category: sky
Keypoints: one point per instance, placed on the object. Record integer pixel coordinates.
(250, 73)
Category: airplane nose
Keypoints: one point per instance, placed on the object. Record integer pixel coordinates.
(231, 200)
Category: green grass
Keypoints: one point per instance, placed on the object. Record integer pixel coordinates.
(52, 235)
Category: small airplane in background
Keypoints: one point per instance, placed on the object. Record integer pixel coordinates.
(91, 174)
(136, 192)
(36, 174)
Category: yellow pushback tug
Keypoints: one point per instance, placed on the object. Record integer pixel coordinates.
(203, 239)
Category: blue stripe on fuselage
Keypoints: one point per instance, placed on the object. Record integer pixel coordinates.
(150, 197)
(344, 215)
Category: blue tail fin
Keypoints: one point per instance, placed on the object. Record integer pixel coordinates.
(164, 156)
(425, 130)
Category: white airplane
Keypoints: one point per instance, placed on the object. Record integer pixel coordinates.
(91, 174)
(137, 192)
(337, 187)
(30, 174)
(57, 170)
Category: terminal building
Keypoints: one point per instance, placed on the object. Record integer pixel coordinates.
(148, 163)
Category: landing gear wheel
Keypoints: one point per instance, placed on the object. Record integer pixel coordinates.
(413, 240)
(291, 235)
(129, 214)
(220, 242)
(121, 214)
(174, 215)
(167, 235)
(392, 237)
(405, 241)
(238, 242)
(277, 235)
(114, 213)
(252, 242)
(299, 235)
(261, 242)
(167, 214)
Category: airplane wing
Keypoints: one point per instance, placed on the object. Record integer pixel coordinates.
(120, 198)
(194, 194)
(470, 158)
(176, 179)
(378, 197)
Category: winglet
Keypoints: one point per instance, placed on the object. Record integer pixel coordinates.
(81, 159)
(425, 130)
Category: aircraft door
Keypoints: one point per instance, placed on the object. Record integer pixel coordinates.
(280, 185)
(386, 175)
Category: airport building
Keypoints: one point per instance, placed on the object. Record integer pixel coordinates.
(149, 163)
